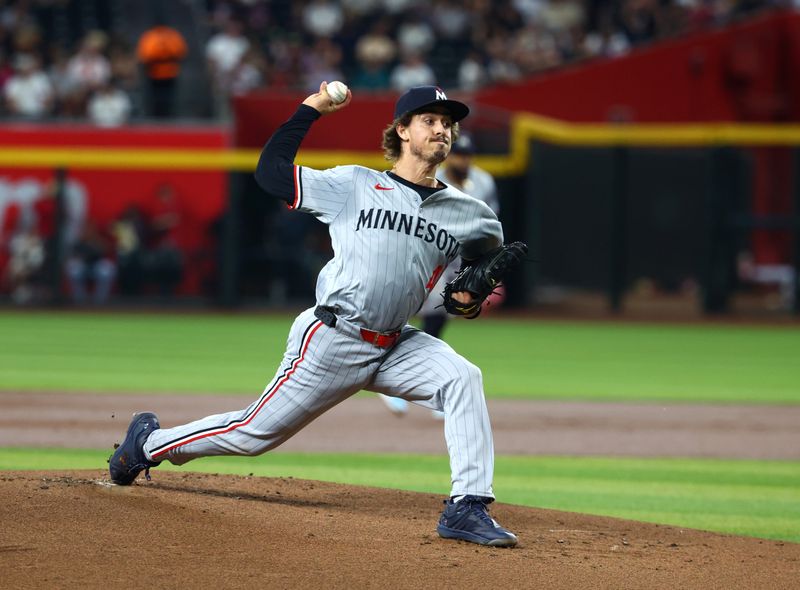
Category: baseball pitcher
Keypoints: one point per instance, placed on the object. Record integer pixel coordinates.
(393, 233)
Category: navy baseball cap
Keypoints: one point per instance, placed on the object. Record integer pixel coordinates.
(463, 145)
(417, 98)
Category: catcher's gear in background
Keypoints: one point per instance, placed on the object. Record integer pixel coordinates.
(481, 276)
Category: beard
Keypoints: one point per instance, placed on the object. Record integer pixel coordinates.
(436, 157)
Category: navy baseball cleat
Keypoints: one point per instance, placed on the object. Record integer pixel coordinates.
(468, 519)
(129, 459)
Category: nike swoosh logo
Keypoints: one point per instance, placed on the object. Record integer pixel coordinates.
(383, 188)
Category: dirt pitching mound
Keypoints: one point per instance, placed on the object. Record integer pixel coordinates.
(183, 530)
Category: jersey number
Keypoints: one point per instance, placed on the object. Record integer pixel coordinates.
(437, 272)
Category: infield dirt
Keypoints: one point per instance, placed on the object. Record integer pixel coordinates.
(195, 530)
(190, 530)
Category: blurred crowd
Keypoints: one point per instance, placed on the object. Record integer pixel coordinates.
(395, 44)
(374, 45)
(42, 78)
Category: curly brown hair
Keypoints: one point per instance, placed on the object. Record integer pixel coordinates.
(392, 142)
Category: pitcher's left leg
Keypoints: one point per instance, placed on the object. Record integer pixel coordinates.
(424, 369)
(428, 371)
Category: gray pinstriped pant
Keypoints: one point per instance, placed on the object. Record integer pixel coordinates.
(323, 366)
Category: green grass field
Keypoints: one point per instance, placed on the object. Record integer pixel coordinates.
(522, 359)
(216, 354)
(754, 498)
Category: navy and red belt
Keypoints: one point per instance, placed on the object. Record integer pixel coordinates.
(379, 339)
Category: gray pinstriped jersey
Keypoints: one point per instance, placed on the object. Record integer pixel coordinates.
(389, 245)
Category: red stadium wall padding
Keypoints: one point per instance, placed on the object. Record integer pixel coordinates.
(164, 137)
(109, 191)
(357, 128)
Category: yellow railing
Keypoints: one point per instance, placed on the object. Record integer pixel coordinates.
(524, 128)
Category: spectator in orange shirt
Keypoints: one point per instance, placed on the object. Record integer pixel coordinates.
(161, 49)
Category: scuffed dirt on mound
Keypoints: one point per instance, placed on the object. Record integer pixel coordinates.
(74, 529)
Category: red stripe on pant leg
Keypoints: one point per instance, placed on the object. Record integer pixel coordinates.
(258, 409)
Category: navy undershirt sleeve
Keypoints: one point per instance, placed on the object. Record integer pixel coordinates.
(275, 170)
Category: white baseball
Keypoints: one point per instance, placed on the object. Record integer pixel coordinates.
(337, 91)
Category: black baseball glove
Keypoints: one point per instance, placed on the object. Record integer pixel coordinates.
(481, 276)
